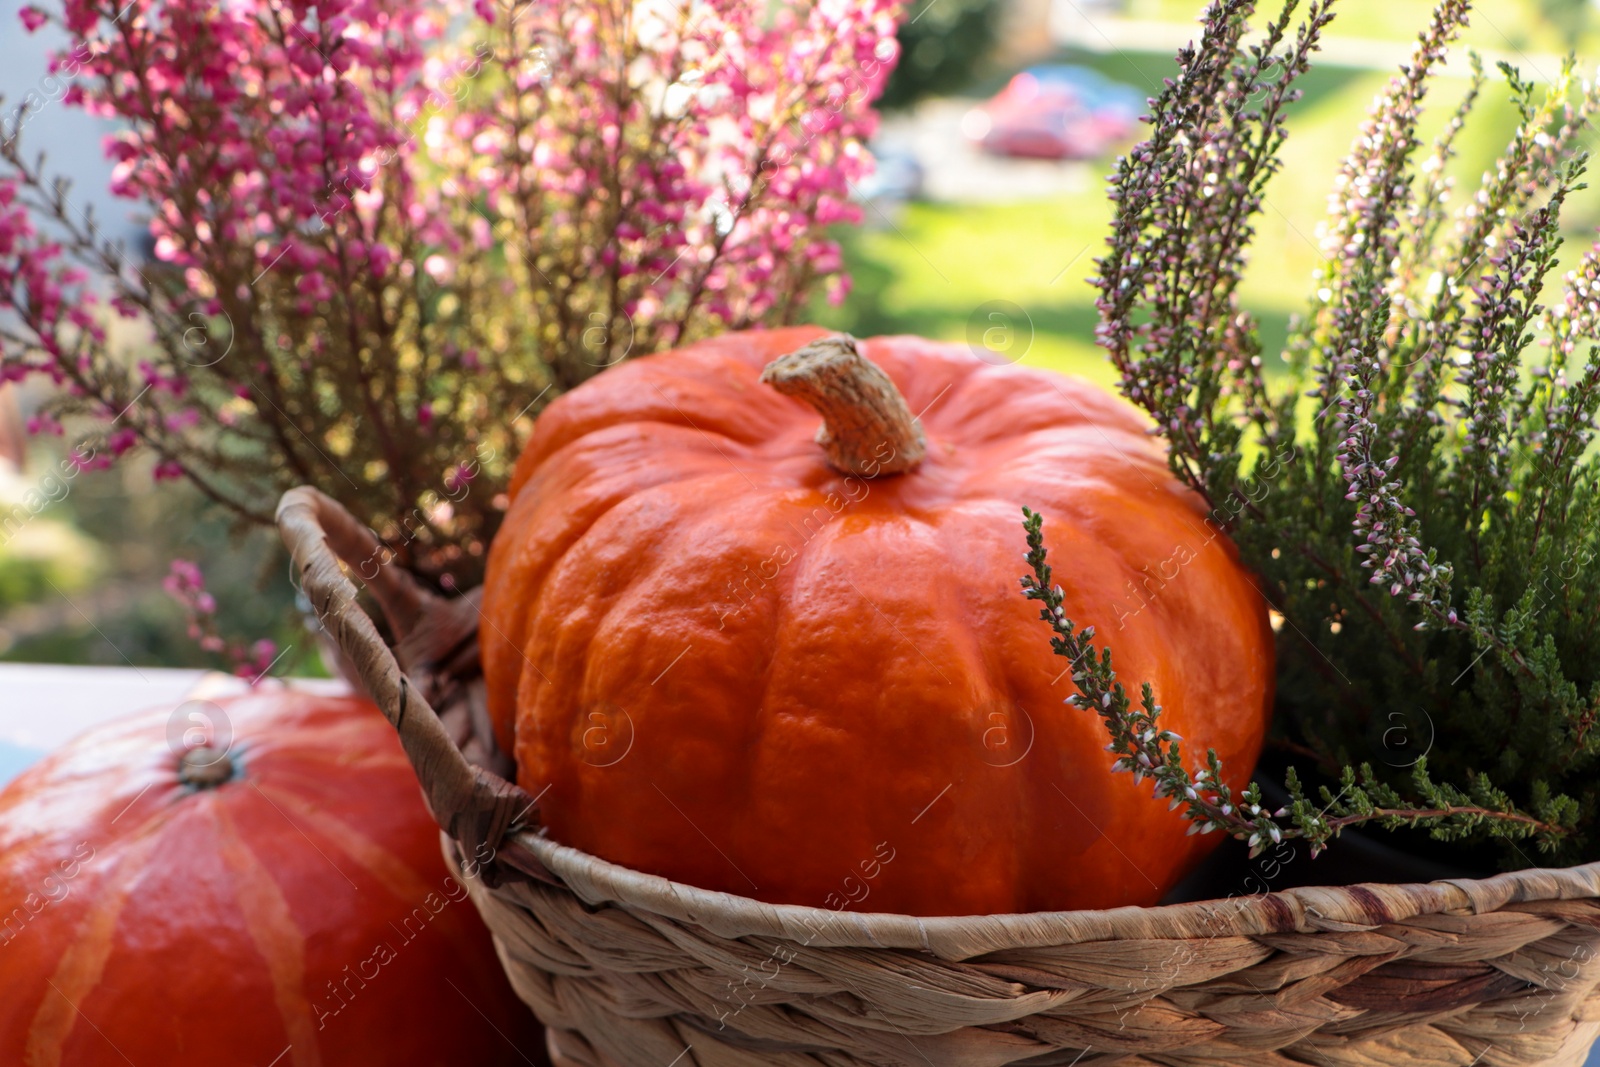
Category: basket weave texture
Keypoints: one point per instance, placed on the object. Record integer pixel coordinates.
(630, 970)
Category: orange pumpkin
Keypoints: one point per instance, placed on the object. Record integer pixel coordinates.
(752, 656)
(277, 900)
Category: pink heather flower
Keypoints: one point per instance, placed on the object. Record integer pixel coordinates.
(253, 663)
(182, 420)
(44, 423)
(350, 185)
(33, 18)
(461, 475)
(185, 584)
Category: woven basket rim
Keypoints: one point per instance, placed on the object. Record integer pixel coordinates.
(1303, 909)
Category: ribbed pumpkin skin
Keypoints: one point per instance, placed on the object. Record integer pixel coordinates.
(815, 673)
(204, 927)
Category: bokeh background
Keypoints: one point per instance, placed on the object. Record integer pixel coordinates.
(958, 242)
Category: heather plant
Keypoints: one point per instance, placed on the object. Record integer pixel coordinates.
(386, 234)
(1416, 494)
(185, 584)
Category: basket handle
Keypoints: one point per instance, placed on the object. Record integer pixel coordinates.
(472, 805)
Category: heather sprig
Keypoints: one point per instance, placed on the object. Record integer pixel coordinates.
(249, 660)
(1429, 539)
(1145, 749)
(1185, 197)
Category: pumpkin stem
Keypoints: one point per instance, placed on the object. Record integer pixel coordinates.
(205, 767)
(867, 429)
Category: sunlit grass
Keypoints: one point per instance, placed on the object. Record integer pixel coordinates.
(936, 267)
(1499, 25)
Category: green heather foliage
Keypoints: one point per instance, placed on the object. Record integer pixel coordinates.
(1417, 497)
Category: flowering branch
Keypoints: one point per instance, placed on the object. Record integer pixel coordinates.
(386, 235)
(1433, 508)
(1146, 750)
(1168, 282)
(185, 584)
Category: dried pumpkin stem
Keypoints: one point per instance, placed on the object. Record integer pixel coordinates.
(867, 429)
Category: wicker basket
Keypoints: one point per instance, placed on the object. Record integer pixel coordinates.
(631, 970)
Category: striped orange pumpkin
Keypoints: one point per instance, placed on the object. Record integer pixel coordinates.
(172, 895)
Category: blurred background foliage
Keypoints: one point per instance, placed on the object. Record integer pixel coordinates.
(80, 582)
(944, 48)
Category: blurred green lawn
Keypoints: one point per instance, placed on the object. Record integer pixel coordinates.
(937, 263)
(1531, 26)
